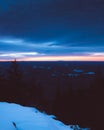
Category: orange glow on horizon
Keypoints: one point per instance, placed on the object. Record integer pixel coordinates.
(60, 58)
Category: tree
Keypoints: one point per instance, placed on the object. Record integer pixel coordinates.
(15, 83)
(2, 86)
(14, 73)
(96, 99)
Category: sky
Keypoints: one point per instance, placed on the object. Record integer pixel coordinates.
(52, 30)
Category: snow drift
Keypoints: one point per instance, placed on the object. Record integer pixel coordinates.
(17, 117)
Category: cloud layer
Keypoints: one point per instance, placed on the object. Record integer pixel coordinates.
(52, 27)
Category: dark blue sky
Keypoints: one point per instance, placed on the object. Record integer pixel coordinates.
(51, 27)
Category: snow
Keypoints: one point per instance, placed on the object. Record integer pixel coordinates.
(72, 75)
(34, 67)
(90, 73)
(48, 68)
(78, 70)
(17, 117)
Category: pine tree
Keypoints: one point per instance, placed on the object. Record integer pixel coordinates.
(14, 73)
(2, 87)
(15, 85)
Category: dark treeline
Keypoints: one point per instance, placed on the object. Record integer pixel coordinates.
(74, 97)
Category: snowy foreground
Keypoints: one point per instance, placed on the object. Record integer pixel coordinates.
(17, 117)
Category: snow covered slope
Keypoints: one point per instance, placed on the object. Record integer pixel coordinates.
(16, 117)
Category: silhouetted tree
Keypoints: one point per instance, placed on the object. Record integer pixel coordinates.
(2, 86)
(15, 83)
(96, 100)
(64, 105)
(1, 77)
(14, 73)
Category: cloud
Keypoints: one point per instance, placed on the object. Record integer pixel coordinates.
(97, 54)
(18, 55)
(51, 20)
(60, 27)
(13, 47)
(13, 41)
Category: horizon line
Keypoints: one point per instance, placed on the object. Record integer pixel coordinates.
(56, 58)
